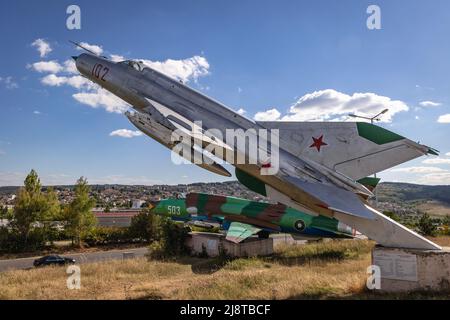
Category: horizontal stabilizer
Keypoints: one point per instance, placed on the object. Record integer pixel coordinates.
(335, 198)
(238, 232)
(355, 149)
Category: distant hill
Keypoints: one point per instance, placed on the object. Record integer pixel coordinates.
(389, 191)
(434, 200)
(392, 196)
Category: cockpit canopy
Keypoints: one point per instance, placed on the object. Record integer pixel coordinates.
(137, 65)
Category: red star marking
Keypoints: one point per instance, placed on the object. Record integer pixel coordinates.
(318, 143)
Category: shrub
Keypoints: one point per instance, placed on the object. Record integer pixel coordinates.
(426, 225)
(107, 235)
(172, 241)
(145, 227)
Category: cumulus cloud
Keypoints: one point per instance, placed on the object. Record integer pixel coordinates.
(435, 179)
(47, 66)
(429, 104)
(102, 98)
(9, 83)
(444, 118)
(269, 115)
(436, 161)
(330, 104)
(125, 133)
(117, 58)
(422, 170)
(92, 95)
(17, 178)
(69, 66)
(184, 70)
(36, 112)
(77, 82)
(241, 111)
(448, 154)
(43, 47)
(98, 50)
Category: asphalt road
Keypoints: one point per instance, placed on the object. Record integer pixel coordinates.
(80, 258)
(27, 263)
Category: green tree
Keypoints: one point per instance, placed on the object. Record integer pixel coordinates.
(4, 212)
(80, 220)
(145, 226)
(426, 225)
(172, 241)
(392, 215)
(33, 208)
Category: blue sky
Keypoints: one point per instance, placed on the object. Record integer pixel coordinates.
(254, 55)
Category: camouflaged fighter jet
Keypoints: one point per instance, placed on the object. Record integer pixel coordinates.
(321, 165)
(243, 218)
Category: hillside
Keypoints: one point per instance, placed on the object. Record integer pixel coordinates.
(401, 198)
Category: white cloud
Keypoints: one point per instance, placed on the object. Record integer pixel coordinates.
(102, 98)
(436, 161)
(98, 50)
(241, 111)
(70, 67)
(47, 66)
(435, 179)
(448, 154)
(239, 89)
(124, 179)
(42, 47)
(77, 82)
(417, 117)
(125, 133)
(184, 70)
(430, 104)
(269, 115)
(444, 118)
(92, 95)
(116, 58)
(36, 112)
(421, 170)
(9, 83)
(53, 80)
(17, 178)
(330, 104)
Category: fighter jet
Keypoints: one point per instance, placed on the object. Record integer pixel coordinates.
(243, 218)
(321, 166)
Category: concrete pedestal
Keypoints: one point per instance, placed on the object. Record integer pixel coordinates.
(404, 270)
(199, 242)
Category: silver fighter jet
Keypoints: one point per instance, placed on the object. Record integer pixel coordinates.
(323, 167)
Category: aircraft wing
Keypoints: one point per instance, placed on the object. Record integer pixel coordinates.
(334, 198)
(348, 208)
(238, 232)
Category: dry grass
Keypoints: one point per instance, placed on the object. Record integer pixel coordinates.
(435, 208)
(443, 241)
(334, 269)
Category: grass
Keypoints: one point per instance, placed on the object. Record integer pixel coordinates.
(324, 270)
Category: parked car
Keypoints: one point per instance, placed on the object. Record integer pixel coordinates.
(53, 260)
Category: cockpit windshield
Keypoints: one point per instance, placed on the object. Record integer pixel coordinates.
(137, 65)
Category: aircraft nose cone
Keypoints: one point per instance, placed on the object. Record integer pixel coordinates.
(74, 58)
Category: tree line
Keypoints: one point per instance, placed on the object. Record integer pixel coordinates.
(38, 219)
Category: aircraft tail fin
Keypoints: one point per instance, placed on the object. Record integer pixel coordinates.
(355, 149)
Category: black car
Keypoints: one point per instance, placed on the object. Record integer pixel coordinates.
(53, 260)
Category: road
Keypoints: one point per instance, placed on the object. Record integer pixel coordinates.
(27, 263)
(80, 258)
